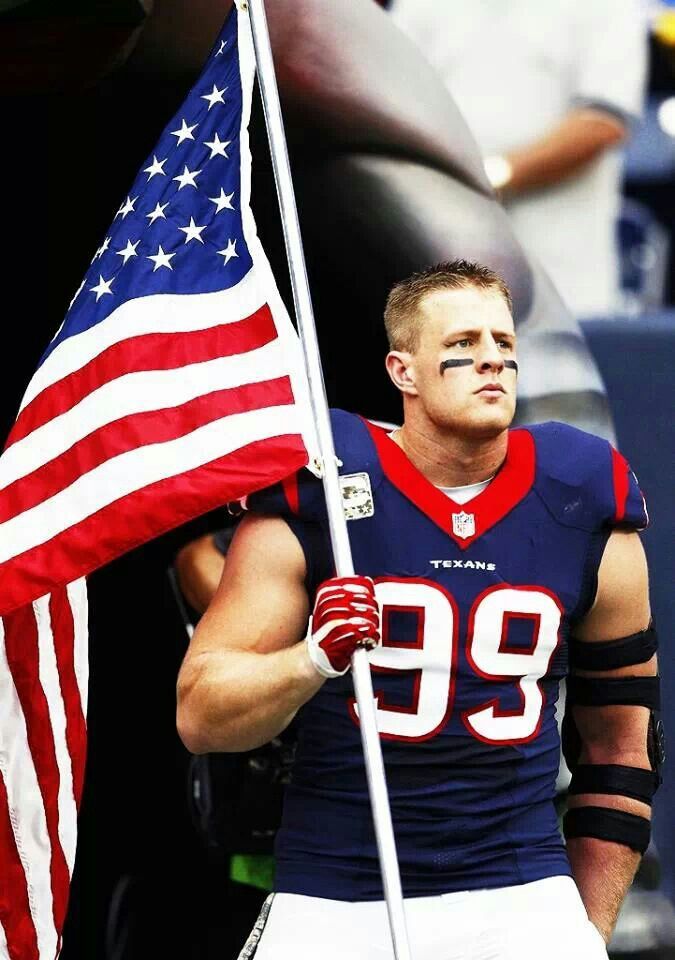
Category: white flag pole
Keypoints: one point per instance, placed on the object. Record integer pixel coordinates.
(342, 553)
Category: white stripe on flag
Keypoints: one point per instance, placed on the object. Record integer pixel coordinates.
(159, 313)
(138, 393)
(77, 597)
(138, 468)
(51, 684)
(26, 809)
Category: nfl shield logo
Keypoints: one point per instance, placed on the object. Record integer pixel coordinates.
(463, 525)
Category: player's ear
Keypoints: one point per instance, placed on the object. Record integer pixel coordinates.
(400, 368)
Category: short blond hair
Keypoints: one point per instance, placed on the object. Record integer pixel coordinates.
(401, 314)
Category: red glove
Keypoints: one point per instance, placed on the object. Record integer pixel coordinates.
(345, 616)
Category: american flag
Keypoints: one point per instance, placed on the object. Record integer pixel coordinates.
(172, 386)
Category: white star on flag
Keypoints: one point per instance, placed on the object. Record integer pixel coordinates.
(127, 207)
(223, 202)
(192, 231)
(102, 287)
(229, 251)
(217, 147)
(157, 166)
(129, 251)
(158, 212)
(223, 44)
(216, 96)
(185, 133)
(187, 178)
(102, 249)
(161, 259)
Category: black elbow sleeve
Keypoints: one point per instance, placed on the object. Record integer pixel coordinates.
(639, 784)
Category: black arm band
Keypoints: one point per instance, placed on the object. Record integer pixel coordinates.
(605, 691)
(613, 778)
(605, 824)
(611, 654)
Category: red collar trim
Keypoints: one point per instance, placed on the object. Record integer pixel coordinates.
(512, 483)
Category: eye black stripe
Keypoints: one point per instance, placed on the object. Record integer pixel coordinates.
(510, 364)
(456, 363)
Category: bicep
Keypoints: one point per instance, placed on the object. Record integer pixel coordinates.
(621, 605)
(261, 602)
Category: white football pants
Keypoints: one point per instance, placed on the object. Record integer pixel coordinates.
(543, 920)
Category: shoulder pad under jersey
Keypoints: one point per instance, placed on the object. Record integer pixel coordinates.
(584, 481)
(301, 495)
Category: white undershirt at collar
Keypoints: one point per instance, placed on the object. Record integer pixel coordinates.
(467, 492)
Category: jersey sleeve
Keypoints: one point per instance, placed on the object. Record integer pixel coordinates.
(299, 497)
(584, 481)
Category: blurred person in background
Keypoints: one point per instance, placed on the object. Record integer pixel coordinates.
(549, 91)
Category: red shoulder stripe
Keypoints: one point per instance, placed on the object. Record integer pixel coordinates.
(620, 480)
(292, 493)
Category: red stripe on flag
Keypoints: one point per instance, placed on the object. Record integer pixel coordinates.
(23, 657)
(151, 351)
(64, 646)
(147, 513)
(15, 914)
(138, 429)
(620, 470)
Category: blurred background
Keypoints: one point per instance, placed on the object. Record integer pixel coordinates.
(569, 113)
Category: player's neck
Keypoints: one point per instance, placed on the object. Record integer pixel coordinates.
(448, 460)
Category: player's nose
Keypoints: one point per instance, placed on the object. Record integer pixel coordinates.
(489, 357)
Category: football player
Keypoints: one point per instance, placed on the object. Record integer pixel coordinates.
(491, 563)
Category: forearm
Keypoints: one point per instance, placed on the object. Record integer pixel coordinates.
(238, 700)
(563, 152)
(603, 872)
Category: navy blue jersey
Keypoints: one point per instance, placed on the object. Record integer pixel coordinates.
(477, 602)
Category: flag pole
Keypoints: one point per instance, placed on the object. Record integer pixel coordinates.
(342, 554)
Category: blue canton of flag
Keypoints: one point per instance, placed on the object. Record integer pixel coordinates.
(179, 230)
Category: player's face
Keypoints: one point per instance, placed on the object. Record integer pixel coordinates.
(459, 368)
